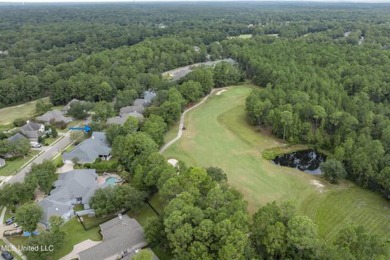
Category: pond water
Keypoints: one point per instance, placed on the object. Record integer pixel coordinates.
(308, 161)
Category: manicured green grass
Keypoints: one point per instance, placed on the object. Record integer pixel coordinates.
(16, 256)
(74, 234)
(218, 135)
(26, 110)
(171, 133)
(245, 36)
(13, 166)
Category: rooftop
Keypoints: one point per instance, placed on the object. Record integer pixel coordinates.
(121, 236)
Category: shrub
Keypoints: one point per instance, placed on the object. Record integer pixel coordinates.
(18, 122)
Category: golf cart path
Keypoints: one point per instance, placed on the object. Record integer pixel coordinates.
(14, 248)
(181, 124)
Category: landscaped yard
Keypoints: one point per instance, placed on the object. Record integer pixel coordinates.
(217, 134)
(16, 256)
(26, 110)
(13, 166)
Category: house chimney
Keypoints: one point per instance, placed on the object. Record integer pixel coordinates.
(120, 216)
(28, 121)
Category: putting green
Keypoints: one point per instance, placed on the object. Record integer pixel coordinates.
(217, 134)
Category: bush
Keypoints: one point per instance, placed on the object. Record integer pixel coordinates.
(105, 166)
(18, 122)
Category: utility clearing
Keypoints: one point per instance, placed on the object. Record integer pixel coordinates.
(218, 134)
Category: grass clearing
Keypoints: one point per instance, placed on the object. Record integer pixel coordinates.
(13, 166)
(26, 110)
(218, 134)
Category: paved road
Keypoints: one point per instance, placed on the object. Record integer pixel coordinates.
(181, 124)
(48, 154)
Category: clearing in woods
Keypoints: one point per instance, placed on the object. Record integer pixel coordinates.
(218, 134)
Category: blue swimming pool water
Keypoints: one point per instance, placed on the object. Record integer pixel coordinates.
(111, 180)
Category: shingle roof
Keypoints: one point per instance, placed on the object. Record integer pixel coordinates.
(69, 186)
(139, 102)
(149, 96)
(31, 130)
(118, 235)
(54, 115)
(89, 150)
(16, 137)
(120, 120)
(129, 109)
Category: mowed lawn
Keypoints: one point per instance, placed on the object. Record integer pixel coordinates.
(217, 134)
(26, 110)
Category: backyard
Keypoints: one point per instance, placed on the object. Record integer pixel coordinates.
(217, 134)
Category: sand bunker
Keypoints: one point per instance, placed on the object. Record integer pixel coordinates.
(318, 185)
(220, 92)
(173, 162)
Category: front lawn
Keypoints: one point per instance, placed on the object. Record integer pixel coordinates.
(12, 167)
(4, 245)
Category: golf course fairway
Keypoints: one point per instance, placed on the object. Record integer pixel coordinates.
(218, 134)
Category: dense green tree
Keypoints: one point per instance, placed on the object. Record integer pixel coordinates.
(102, 111)
(28, 216)
(217, 174)
(333, 170)
(191, 90)
(155, 127)
(43, 175)
(133, 149)
(42, 107)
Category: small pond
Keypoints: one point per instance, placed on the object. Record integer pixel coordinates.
(308, 161)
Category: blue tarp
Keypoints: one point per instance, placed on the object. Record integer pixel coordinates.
(27, 234)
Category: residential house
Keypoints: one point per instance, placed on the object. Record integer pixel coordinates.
(120, 120)
(140, 102)
(16, 137)
(67, 106)
(90, 150)
(122, 238)
(149, 96)
(32, 131)
(71, 188)
(54, 116)
(2, 162)
(130, 109)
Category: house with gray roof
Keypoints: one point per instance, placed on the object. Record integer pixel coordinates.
(149, 96)
(122, 238)
(120, 120)
(89, 150)
(54, 116)
(131, 109)
(140, 102)
(71, 188)
(32, 131)
(16, 137)
(67, 106)
(2, 162)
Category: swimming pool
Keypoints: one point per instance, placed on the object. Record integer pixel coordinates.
(111, 180)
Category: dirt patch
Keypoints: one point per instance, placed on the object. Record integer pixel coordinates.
(319, 186)
(220, 92)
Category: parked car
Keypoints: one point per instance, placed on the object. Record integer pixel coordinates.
(10, 221)
(13, 232)
(7, 255)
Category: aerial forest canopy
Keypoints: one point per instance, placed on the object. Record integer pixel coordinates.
(322, 79)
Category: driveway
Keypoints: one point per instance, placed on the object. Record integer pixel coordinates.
(79, 248)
